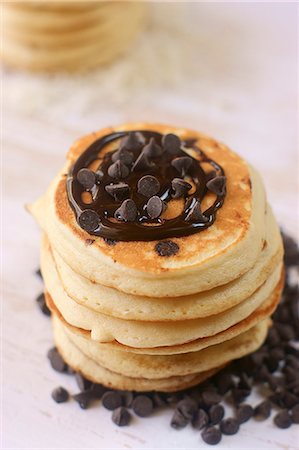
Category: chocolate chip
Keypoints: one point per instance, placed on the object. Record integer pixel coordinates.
(171, 143)
(89, 241)
(182, 164)
(123, 156)
(133, 141)
(118, 170)
(187, 407)
(290, 399)
(210, 398)
(291, 250)
(111, 400)
(127, 398)
(148, 186)
(178, 420)
(217, 185)
(142, 405)
(60, 395)
(200, 419)
(119, 191)
(166, 248)
(86, 178)
(229, 426)
(41, 301)
(263, 410)
(83, 383)
(210, 175)
(110, 242)
(152, 149)
(38, 273)
(211, 435)
(244, 382)
(225, 383)
(127, 211)
(195, 214)
(56, 361)
(239, 395)
(121, 416)
(216, 414)
(155, 207)
(180, 187)
(97, 390)
(158, 400)
(244, 413)
(142, 163)
(295, 414)
(283, 419)
(89, 220)
(83, 399)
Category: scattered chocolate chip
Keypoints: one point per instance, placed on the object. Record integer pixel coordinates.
(110, 242)
(295, 414)
(217, 185)
(121, 416)
(83, 383)
(119, 191)
(127, 398)
(111, 400)
(229, 426)
(87, 178)
(83, 399)
(142, 405)
(182, 164)
(211, 435)
(38, 273)
(263, 410)
(41, 301)
(123, 156)
(225, 383)
(127, 211)
(195, 214)
(155, 207)
(56, 361)
(89, 220)
(178, 420)
(152, 149)
(148, 186)
(171, 143)
(89, 241)
(158, 400)
(244, 413)
(97, 390)
(291, 251)
(239, 395)
(216, 414)
(244, 382)
(133, 141)
(210, 398)
(60, 395)
(166, 248)
(118, 170)
(142, 163)
(283, 419)
(180, 187)
(187, 407)
(200, 419)
(210, 175)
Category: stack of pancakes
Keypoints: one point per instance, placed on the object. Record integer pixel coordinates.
(67, 36)
(129, 317)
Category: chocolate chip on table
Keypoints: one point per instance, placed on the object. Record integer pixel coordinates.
(182, 164)
(171, 143)
(83, 383)
(295, 414)
(127, 211)
(83, 399)
(239, 395)
(225, 383)
(158, 400)
(142, 163)
(244, 413)
(178, 420)
(211, 435)
(217, 185)
(210, 398)
(200, 419)
(229, 426)
(180, 187)
(38, 273)
(133, 141)
(123, 156)
(263, 410)
(97, 390)
(119, 191)
(283, 419)
(187, 407)
(148, 186)
(244, 382)
(127, 398)
(89, 220)
(56, 361)
(155, 207)
(111, 400)
(87, 178)
(41, 301)
(195, 214)
(291, 254)
(118, 170)
(142, 405)
(216, 414)
(166, 248)
(152, 149)
(60, 395)
(121, 416)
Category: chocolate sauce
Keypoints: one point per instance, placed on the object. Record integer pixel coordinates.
(144, 228)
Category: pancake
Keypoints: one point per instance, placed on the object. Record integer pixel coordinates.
(205, 260)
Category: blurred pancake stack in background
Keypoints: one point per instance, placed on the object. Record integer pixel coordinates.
(68, 36)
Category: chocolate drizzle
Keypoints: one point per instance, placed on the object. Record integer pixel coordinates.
(143, 228)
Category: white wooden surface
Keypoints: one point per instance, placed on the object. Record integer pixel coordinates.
(235, 78)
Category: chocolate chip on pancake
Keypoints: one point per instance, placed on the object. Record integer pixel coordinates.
(180, 187)
(60, 395)
(195, 214)
(210, 175)
(56, 361)
(89, 220)
(87, 178)
(121, 416)
(171, 143)
(142, 405)
(127, 212)
(155, 207)
(182, 164)
(166, 248)
(118, 170)
(152, 149)
(123, 155)
(110, 242)
(41, 301)
(148, 186)
(133, 141)
(211, 435)
(217, 185)
(119, 191)
(142, 163)
(111, 400)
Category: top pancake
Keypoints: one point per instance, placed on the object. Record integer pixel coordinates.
(213, 257)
